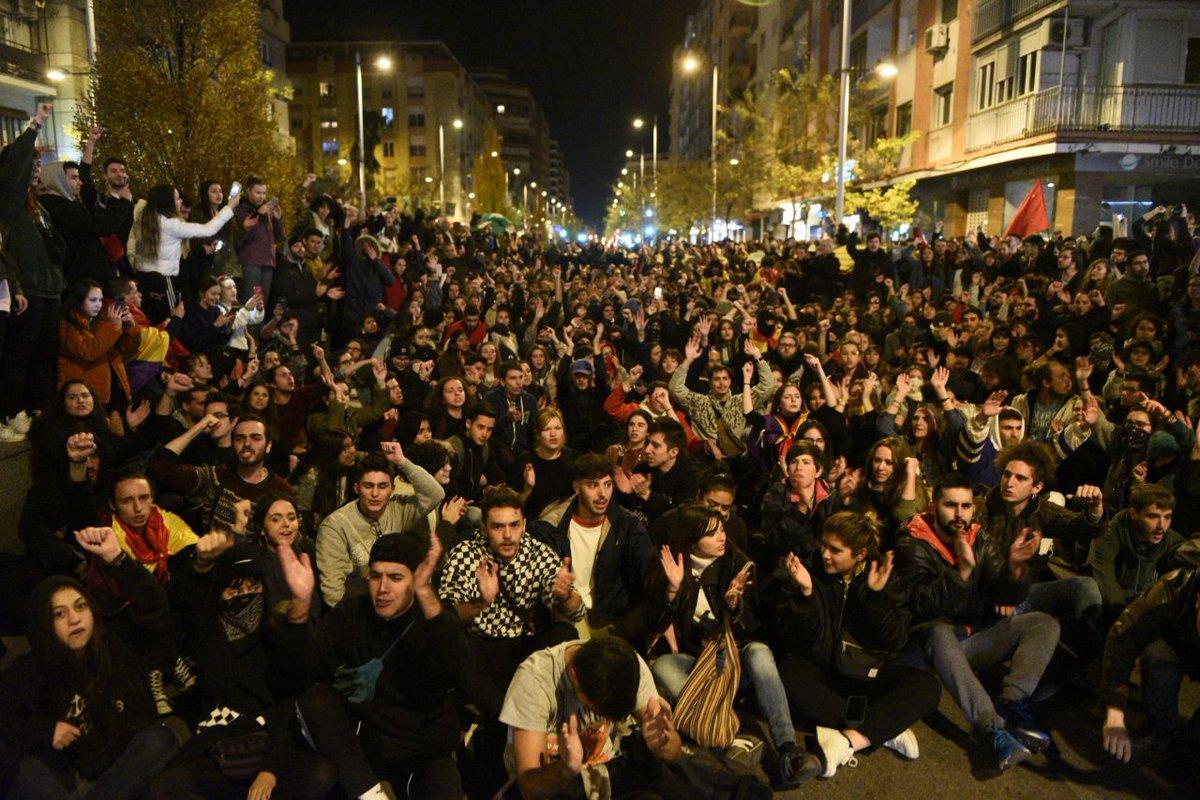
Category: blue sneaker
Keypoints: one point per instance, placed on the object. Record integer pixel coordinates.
(1021, 724)
(1008, 749)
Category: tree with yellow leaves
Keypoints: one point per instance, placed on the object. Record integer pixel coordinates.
(490, 178)
(180, 88)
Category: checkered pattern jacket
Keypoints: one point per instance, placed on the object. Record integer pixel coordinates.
(526, 582)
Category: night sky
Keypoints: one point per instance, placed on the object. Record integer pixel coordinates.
(593, 64)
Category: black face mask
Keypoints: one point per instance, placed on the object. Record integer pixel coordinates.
(240, 616)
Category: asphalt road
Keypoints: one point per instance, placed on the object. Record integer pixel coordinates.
(953, 764)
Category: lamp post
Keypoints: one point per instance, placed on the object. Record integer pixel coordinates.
(690, 64)
(383, 64)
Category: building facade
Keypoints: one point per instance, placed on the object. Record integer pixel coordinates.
(423, 112)
(1100, 101)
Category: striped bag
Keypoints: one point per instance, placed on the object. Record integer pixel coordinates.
(704, 712)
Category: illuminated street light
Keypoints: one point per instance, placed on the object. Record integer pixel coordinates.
(624, 171)
(494, 154)
(638, 123)
(886, 70)
(470, 195)
(500, 109)
(383, 63)
(55, 74)
(429, 179)
(458, 123)
(629, 154)
(516, 170)
(690, 63)
(341, 162)
(733, 162)
(533, 184)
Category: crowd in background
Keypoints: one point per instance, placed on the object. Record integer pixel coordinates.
(363, 502)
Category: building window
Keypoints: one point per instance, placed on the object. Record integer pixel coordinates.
(297, 123)
(949, 10)
(329, 147)
(326, 88)
(1027, 73)
(12, 124)
(986, 85)
(416, 120)
(943, 104)
(264, 51)
(386, 93)
(388, 115)
(415, 83)
(1004, 89)
(876, 125)
(904, 119)
(389, 150)
(1191, 64)
(418, 174)
(416, 151)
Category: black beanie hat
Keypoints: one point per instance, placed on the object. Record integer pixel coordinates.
(398, 548)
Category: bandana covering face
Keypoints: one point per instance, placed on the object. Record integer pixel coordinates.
(241, 615)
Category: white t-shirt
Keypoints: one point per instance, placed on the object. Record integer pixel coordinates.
(541, 698)
(585, 543)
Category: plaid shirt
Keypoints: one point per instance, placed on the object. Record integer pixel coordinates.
(525, 583)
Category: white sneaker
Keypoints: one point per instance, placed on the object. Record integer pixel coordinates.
(905, 744)
(836, 750)
(21, 423)
(8, 434)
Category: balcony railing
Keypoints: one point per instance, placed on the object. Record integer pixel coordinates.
(1163, 109)
(992, 15)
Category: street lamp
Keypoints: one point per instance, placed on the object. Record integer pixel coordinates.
(733, 162)
(690, 64)
(629, 154)
(884, 70)
(457, 124)
(55, 74)
(638, 123)
(383, 64)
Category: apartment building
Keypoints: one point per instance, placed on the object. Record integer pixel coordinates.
(425, 116)
(1098, 100)
(39, 57)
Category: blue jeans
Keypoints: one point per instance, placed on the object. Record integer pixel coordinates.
(144, 757)
(758, 670)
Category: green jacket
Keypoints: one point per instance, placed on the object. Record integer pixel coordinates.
(39, 274)
(1124, 567)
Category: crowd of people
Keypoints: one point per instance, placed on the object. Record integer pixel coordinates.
(376, 504)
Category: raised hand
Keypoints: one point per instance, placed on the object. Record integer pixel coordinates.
(635, 374)
(799, 573)
(65, 735)
(657, 724)
(487, 574)
(903, 385)
(877, 577)
(692, 349)
(1092, 496)
(1083, 370)
(570, 746)
(939, 379)
(393, 452)
(737, 586)
(673, 568)
(80, 447)
(135, 415)
(812, 362)
(101, 542)
(564, 580)
(297, 573)
(211, 545)
(379, 370)
(423, 574)
(747, 372)
(994, 403)
(179, 382)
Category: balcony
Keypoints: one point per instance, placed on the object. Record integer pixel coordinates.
(992, 15)
(1141, 108)
(20, 54)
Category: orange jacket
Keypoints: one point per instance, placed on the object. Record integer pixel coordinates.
(93, 352)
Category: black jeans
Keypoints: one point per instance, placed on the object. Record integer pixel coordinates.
(29, 365)
(334, 736)
(897, 698)
(305, 776)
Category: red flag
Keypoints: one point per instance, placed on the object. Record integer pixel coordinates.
(1031, 215)
(918, 236)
